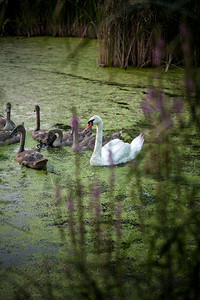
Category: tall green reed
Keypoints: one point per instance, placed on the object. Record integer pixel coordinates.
(126, 31)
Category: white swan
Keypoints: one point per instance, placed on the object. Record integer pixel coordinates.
(114, 152)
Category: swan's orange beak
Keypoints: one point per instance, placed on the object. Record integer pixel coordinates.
(89, 125)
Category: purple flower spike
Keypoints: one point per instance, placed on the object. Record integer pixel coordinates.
(159, 104)
(118, 212)
(158, 52)
(96, 193)
(76, 148)
(177, 106)
(70, 205)
(160, 43)
(189, 84)
(151, 93)
(146, 108)
(98, 211)
(74, 121)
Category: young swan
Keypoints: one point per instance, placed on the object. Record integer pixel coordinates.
(114, 152)
(5, 138)
(7, 124)
(41, 135)
(61, 140)
(67, 138)
(89, 142)
(29, 158)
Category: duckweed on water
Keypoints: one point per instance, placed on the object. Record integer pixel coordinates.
(43, 71)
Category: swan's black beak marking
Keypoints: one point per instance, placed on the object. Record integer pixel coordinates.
(90, 124)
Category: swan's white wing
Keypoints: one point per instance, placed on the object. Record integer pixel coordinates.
(116, 152)
(112, 144)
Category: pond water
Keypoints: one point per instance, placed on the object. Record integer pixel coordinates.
(59, 74)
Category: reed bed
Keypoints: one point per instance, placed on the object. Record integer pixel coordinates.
(127, 31)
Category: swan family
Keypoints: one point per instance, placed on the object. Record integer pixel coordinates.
(107, 150)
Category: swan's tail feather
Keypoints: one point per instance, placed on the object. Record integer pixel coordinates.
(41, 164)
(137, 143)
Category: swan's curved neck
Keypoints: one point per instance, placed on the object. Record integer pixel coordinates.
(22, 140)
(8, 125)
(98, 141)
(37, 120)
(58, 140)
